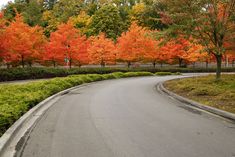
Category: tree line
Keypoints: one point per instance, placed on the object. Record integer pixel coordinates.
(105, 32)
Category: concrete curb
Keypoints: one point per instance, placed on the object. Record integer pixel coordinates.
(14, 135)
(213, 110)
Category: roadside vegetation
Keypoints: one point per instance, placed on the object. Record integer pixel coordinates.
(218, 94)
(39, 73)
(17, 99)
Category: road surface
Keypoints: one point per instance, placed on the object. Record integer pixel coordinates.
(128, 118)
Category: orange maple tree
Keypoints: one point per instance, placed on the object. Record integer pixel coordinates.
(102, 50)
(2, 28)
(152, 50)
(176, 49)
(22, 43)
(67, 45)
(131, 44)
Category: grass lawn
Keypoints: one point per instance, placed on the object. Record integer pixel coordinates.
(207, 91)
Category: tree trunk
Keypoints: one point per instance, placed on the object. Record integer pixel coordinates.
(180, 62)
(102, 64)
(22, 61)
(54, 64)
(161, 64)
(233, 63)
(194, 65)
(30, 64)
(219, 64)
(128, 64)
(70, 63)
(154, 64)
(207, 64)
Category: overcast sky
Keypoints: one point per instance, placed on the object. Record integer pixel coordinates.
(4, 2)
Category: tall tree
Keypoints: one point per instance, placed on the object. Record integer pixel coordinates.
(211, 22)
(22, 43)
(33, 13)
(81, 22)
(107, 20)
(131, 44)
(102, 50)
(2, 30)
(66, 44)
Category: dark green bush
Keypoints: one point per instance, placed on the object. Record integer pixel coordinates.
(38, 73)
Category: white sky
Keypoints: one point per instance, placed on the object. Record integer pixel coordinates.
(4, 2)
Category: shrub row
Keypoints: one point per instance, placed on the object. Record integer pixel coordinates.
(16, 99)
(37, 73)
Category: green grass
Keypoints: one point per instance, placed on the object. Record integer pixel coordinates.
(207, 91)
(17, 99)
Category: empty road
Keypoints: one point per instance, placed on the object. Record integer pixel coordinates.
(128, 118)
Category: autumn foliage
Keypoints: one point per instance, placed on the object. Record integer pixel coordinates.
(102, 50)
(21, 42)
(66, 45)
(25, 45)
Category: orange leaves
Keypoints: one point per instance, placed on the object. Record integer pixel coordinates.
(102, 50)
(67, 45)
(22, 42)
(133, 45)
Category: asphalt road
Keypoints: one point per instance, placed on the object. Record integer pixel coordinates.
(128, 118)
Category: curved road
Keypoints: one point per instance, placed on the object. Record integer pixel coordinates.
(128, 118)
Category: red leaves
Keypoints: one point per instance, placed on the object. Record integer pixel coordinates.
(22, 42)
(132, 45)
(102, 50)
(67, 45)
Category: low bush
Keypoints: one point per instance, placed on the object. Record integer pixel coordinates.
(167, 73)
(163, 73)
(16, 99)
(38, 73)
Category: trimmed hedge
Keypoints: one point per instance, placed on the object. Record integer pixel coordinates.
(17, 99)
(167, 73)
(38, 73)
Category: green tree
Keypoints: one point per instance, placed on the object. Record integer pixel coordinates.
(33, 13)
(107, 20)
(148, 15)
(64, 9)
(81, 22)
(210, 22)
(31, 10)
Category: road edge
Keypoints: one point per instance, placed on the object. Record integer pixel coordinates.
(14, 135)
(198, 105)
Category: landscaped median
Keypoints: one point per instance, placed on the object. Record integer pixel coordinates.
(17, 99)
(207, 91)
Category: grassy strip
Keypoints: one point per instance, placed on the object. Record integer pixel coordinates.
(37, 73)
(15, 100)
(167, 73)
(207, 91)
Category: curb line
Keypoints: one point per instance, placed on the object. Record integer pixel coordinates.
(213, 110)
(13, 136)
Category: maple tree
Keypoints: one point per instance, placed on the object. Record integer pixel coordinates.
(131, 44)
(2, 28)
(22, 43)
(152, 50)
(102, 50)
(67, 45)
(210, 22)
